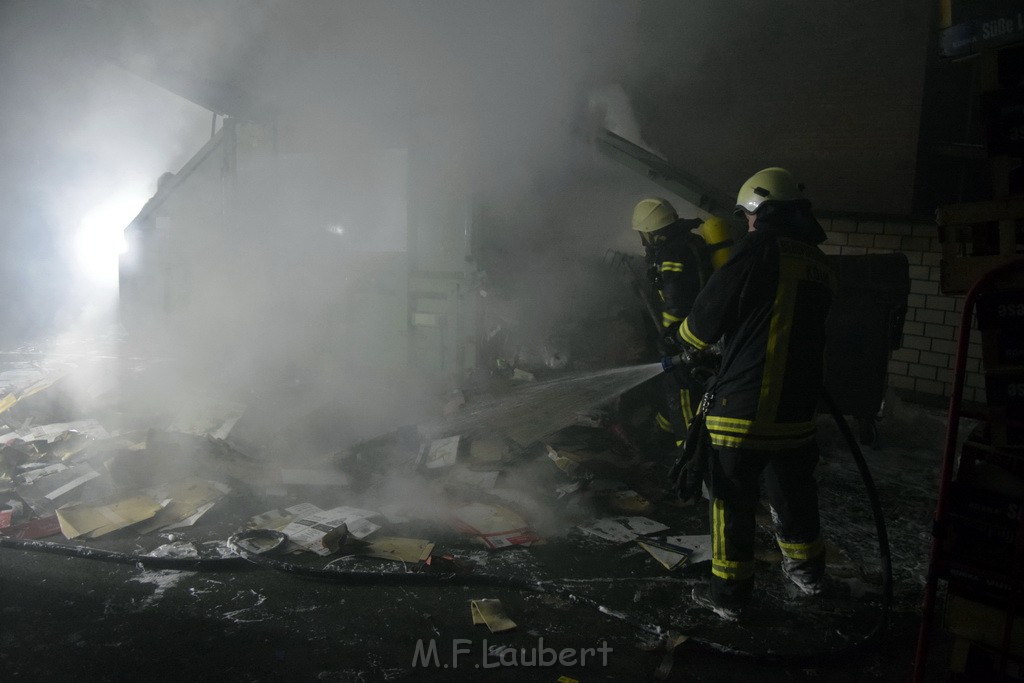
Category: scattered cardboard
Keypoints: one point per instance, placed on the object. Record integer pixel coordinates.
(72, 446)
(440, 453)
(411, 550)
(191, 519)
(490, 613)
(87, 521)
(183, 502)
(497, 526)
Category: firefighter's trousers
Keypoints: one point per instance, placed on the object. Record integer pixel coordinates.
(793, 494)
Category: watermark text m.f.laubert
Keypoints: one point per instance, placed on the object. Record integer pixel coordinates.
(426, 655)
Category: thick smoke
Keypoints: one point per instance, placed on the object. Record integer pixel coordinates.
(407, 135)
(391, 122)
(394, 121)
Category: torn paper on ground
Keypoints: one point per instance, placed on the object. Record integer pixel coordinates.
(440, 453)
(29, 476)
(497, 526)
(308, 530)
(45, 494)
(491, 613)
(51, 432)
(622, 529)
(699, 544)
(670, 556)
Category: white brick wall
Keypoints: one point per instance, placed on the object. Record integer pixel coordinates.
(925, 363)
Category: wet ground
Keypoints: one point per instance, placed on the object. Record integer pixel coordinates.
(585, 608)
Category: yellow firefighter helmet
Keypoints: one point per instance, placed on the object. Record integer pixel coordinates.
(768, 185)
(653, 214)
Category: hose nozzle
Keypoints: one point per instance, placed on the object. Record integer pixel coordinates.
(680, 360)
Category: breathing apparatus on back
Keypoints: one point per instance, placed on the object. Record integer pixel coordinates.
(716, 234)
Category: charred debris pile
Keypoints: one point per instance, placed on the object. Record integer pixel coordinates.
(421, 494)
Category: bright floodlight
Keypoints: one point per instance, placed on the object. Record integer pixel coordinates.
(100, 237)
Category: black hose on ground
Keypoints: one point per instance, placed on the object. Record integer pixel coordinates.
(85, 552)
(249, 555)
(240, 544)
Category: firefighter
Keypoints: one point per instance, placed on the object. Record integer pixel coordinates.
(768, 305)
(678, 266)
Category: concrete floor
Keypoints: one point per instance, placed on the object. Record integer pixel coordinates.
(65, 617)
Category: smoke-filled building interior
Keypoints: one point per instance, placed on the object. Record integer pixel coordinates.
(352, 341)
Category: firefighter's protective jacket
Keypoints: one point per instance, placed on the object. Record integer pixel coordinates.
(768, 305)
(679, 267)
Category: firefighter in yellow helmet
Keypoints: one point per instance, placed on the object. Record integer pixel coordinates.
(678, 266)
(767, 304)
